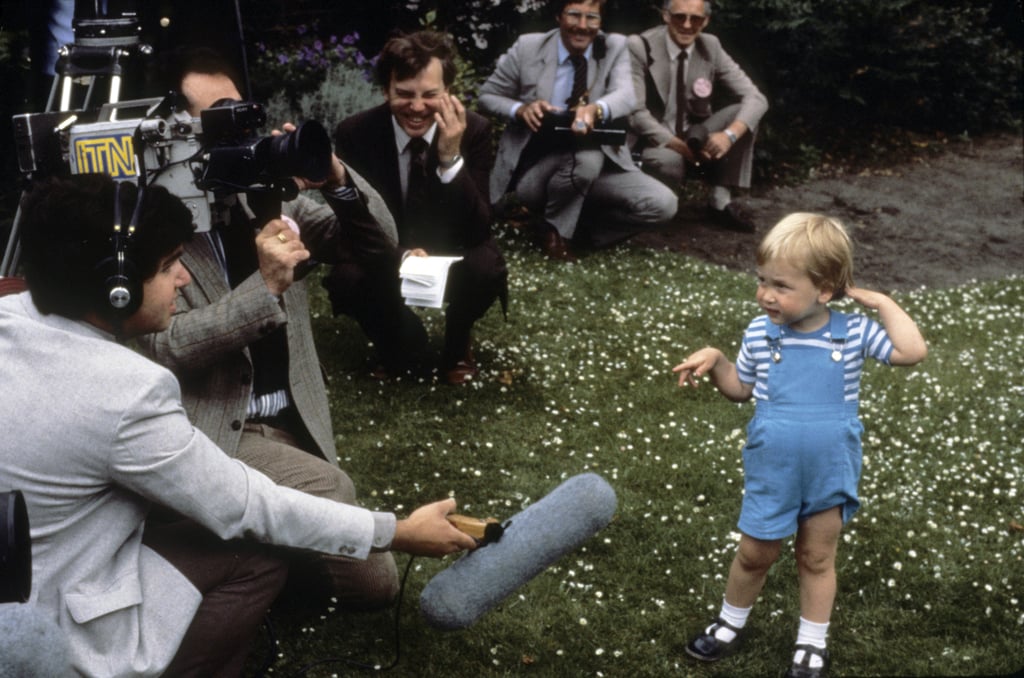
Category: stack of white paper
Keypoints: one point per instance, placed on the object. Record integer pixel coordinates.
(424, 280)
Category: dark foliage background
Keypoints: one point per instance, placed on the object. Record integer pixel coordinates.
(847, 81)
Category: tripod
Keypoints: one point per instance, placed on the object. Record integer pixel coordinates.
(101, 47)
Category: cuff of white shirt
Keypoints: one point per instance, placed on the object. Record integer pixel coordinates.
(383, 531)
(448, 175)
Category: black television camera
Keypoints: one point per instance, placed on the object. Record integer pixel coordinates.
(235, 159)
(696, 137)
(15, 549)
(557, 128)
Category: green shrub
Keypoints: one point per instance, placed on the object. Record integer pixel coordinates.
(342, 92)
(844, 75)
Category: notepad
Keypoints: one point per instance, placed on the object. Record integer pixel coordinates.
(424, 280)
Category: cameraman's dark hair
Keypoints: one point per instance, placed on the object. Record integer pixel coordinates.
(197, 59)
(69, 224)
(406, 55)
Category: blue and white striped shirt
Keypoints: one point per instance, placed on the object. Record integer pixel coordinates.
(864, 338)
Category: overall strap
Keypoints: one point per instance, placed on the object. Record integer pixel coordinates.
(837, 326)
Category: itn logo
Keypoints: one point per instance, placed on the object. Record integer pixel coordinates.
(113, 155)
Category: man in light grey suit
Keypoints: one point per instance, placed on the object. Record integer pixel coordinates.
(678, 72)
(241, 342)
(581, 77)
(94, 433)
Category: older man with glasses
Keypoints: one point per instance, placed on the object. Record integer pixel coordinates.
(680, 73)
(566, 173)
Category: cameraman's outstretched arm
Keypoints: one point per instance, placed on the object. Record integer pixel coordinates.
(353, 222)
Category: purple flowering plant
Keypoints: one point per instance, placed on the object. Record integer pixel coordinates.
(300, 62)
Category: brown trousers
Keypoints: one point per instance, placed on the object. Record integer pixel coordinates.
(240, 580)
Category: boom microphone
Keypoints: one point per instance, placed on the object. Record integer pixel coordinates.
(528, 543)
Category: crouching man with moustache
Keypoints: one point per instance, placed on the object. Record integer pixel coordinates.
(96, 433)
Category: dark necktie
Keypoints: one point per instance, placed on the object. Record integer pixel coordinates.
(680, 93)
(416, 186)
(579, 81)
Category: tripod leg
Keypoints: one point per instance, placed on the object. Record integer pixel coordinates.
(13, 252)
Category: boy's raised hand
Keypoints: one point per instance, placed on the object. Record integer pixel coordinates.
(697, 365)
(866, 298)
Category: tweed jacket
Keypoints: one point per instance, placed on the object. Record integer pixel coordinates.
(652, 70)
(207, 342)
(94, 432)
(526, 72)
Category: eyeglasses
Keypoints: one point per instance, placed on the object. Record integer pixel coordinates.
(576, 16)
(680, 19)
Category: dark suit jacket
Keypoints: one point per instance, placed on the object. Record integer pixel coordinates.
(459, 214)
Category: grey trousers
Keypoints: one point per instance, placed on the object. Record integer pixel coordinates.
(733, 170)
(561, 184)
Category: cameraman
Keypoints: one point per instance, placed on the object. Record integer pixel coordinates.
(241, 342)
(94, 432)
(576, 191)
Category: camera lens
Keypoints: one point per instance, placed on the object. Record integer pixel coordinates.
(696, 137)
(305, 153)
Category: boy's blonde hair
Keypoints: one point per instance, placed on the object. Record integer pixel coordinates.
(818, 244)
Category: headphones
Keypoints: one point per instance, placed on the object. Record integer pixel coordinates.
(120, 281)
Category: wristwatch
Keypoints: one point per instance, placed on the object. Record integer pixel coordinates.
(729, 133)
(450, 163)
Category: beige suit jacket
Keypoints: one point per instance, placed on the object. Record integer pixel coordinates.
(94, 432)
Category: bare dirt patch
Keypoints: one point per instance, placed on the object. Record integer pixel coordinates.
(936, 221)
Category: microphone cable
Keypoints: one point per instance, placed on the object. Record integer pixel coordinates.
(272, 642)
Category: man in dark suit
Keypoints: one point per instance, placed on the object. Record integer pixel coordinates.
(430, 160)
(669, 115)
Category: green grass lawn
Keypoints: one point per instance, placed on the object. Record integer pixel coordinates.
(931, 570)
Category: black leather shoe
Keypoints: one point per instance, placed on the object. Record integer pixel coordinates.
(707, 648)
(803, 668)
(734, 218)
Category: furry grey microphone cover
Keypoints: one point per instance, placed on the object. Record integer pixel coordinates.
(31, 646)
(534, 539)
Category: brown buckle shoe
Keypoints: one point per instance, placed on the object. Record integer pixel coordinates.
(554, 246)
(462, 371)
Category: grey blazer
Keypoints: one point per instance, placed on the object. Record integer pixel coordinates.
(93, 432)
(708, 61)
(526, 72)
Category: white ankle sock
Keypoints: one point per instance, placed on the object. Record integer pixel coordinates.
(720, 197)
(810, 633)
(737, 616)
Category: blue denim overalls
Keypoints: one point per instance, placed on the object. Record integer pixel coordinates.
(803, 452)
